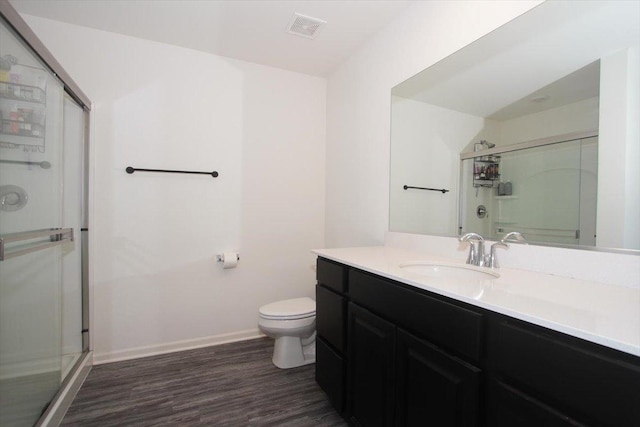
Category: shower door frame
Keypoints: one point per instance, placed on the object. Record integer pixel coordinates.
(72, 382)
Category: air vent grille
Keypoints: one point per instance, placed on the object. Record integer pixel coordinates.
(305, 26)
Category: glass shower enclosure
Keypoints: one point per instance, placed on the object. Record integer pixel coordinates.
(43, 226)
(546, 191)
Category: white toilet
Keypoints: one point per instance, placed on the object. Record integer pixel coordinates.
(292, 323)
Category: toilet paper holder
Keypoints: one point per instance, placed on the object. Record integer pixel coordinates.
(220, 257)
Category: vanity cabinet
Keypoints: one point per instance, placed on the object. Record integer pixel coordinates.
(561, 380)
(331, 315)
(410, 357)
(397, 374)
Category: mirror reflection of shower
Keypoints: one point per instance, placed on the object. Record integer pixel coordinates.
(547, 191)
(478, 145)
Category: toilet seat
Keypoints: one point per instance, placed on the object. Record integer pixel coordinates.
(290, 309)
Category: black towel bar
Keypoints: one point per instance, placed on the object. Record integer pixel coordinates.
(406, 187)
(131, 170)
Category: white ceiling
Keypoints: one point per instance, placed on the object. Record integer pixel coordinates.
(250, 30)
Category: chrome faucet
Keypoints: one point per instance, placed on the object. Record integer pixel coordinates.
(492, 260)
(477, 254)
(476, 248)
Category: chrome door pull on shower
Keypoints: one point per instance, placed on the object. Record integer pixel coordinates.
(57, 236)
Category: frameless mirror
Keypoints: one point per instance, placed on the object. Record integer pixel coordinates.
(534, 127)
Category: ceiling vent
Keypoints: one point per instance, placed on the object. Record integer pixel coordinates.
(304, 26)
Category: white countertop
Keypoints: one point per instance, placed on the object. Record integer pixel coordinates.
(601, 313)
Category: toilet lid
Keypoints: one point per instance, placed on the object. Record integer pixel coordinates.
(296, 308)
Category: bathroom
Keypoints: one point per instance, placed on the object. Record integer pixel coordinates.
(303, 162)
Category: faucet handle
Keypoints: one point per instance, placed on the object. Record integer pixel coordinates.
(472, 258)
(493, 256)
(476, 255)
(492, 260)
(471, 236)
(514, 236)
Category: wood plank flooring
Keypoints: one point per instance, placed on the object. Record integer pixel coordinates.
(228, 385)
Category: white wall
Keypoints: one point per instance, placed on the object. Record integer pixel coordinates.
(425, 152)
(358, 107)
(156, 285)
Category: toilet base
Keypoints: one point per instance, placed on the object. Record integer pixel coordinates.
(291, 352)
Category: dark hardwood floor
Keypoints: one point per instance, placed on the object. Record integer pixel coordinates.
(228, 385)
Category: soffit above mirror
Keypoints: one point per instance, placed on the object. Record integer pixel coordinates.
(532, 52)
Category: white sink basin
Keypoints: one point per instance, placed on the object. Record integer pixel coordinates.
(460, 279)
(464, 273)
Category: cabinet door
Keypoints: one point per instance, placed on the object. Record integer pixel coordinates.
(509, 407)
(434, 388)
(371, 368)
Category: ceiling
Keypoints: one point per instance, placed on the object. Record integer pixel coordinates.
(250, 30)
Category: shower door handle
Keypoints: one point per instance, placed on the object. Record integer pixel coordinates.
(56, 236)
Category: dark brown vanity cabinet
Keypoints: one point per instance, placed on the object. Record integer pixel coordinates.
(393, 355)
(397, 375)
(543, 377)
(331, 315)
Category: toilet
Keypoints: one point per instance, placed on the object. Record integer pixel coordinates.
(292, 323)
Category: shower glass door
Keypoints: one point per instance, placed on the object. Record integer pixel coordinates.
(72, 217)
(40, 214)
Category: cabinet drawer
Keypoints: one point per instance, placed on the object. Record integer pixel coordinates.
(455, 328)
(507, 407)
(330, 374)
(585, 381)
(331, 275)
(331, 309)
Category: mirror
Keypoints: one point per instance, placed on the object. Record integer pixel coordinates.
(561, 81)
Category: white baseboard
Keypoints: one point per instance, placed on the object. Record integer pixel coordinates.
(154, 350)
